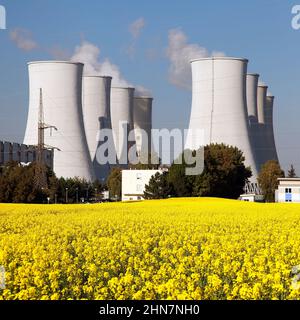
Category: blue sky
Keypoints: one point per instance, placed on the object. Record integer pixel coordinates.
(259, 30)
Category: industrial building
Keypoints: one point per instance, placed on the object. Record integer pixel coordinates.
(10, 151)
(288, 190)
(134, 182)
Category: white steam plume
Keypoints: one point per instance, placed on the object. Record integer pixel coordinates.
(136, 27)
(180, 53)
(23, 39)
(89, 54)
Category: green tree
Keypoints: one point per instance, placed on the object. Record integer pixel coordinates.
(17, 184)
(158, 187)
(147, 161)
(225, 173)
(114, 183)
(292, 172)
(182, 183)
(268, 179)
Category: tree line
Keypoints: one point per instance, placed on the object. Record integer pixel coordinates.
(224, 175)
(17, 185)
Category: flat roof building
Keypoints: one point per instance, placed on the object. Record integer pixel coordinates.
(288, 190)
(134, 182)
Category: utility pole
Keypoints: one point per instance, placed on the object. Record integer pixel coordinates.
(40, 171)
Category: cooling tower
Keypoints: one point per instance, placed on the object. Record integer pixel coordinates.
(251, 89)
(251, 95)
(261, 141)
(121, 109)
(61, 84)
(219, 104)
(272, 153)
(142, 119)
(96, 116)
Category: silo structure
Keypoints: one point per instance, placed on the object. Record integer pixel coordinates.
(219, 105)
(8, 151)
(61, 84)
(262, 147)
(16, 152)
(96, 116)
(1, 153)
(121, 110)
(142, 120)
(24, 153)
(272, 152)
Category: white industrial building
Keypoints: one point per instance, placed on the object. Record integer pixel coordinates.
(134, 182)
(288, 190)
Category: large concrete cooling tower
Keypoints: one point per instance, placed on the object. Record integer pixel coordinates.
(96, 116)
(252, 83)
(121, 109)
(142, 119)
(251, 94)
(219, 104)
(272, 152)
(261, 141)
(61, 84)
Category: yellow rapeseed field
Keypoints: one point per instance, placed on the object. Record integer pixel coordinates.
(167, 249)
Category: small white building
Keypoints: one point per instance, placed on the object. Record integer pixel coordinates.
(134, 182)
(288, 190)
(251, 197)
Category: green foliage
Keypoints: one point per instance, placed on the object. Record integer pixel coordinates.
(114, 183)
(182, 184)
(17, 184)
(268, 179)
(292, 172)
(158, 187)
(224, 174)
(147, 161)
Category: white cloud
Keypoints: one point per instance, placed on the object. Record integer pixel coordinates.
(23, 39)
(180, 53)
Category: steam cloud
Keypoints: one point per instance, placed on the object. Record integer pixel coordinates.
(89, 54)
(23, 39)
(180, 53)
(135, 30)
(136, 27)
